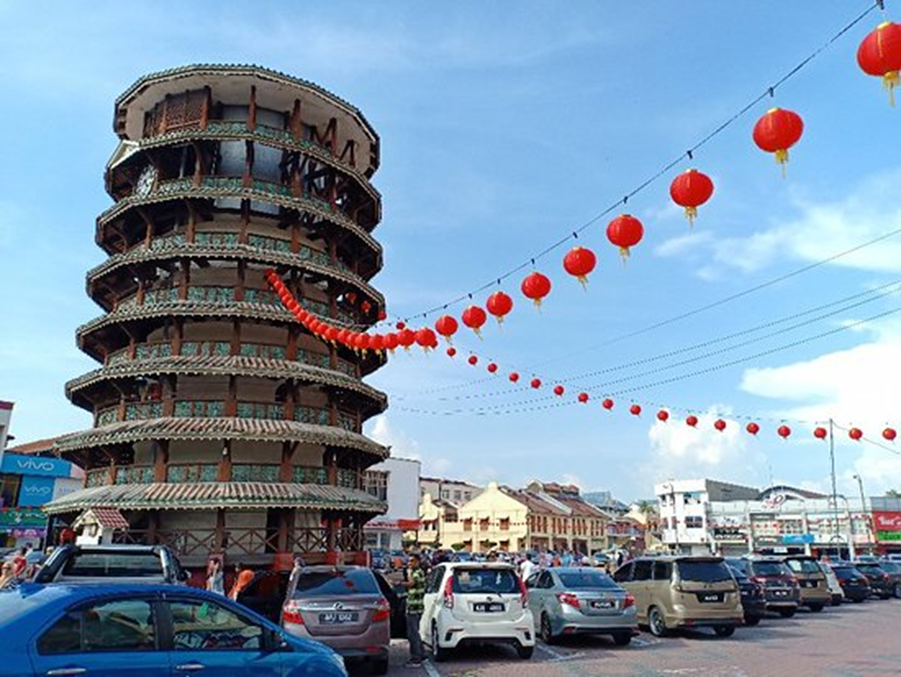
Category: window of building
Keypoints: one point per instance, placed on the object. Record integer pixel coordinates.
(458, 495)
(467, 496)
(484, 524)
(9, 490)
(376, 484)
(694, 522)
(467, 524)
(445, 493)
(505, 524)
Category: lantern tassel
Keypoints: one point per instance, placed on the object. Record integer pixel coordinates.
(782, 158)
(691, 213)
(889, 81)
(478, 332)
(583, 280)
(624, 253)
(537, 303)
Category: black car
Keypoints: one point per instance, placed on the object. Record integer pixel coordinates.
(855, 585)
(752, 598)
(881, 582)
(780, 587)
(893, 569)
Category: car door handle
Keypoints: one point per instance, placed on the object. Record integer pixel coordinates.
(190, 667)
(67, 671)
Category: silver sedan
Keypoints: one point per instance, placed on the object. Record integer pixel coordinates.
(580, 600)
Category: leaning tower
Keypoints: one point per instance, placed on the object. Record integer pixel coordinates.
(220, 425)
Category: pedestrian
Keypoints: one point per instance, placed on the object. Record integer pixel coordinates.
(528, 568)
(215, 578)
(415, 585)
(20, 562)
(242, 580)
(7, 576)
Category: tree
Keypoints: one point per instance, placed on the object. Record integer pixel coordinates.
(893, 493)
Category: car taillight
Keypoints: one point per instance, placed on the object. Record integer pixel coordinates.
(449, 593)
(568, 599)
(523, 593)
(382, 611)
(843, 581)
(759, 580)
(628, 601)
(291, 613)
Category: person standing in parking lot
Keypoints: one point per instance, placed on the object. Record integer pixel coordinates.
(415, 585)
(215, 578)
(7, 576)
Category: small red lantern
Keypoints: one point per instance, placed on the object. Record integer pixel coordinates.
(625, 231)
(536, 286)
(446, 326)
(499, 304)
(376, 343)
(425, 338)
(344, 335)
(536, 383)
(366, 306)
(579, 262)
(855, 434)
(880, 54)
(784, 431)
(406, 338)
(400, 326)
(777, 131)
(492, 367)
(451, 351)
(820, 433)
(752, 428)
(331, 334)
(607, 403)
(473, 360)
(719, 424)
(559, 390)
(663, 415)
(583, 397)
(362, 342)
(514, 377)
(391, 342)
(474, 317)
(690, 190)
(635, 410)
(691, 421)
(382, 315)
(889, 434)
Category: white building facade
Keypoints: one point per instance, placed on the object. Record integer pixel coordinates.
(395, 480)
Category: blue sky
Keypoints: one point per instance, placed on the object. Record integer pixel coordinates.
(504, 126)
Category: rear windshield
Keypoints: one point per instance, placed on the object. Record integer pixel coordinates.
(480, 581)
(890, 567)
(353, 582)
(113, 564)
(869, 568)
(770, 569)
(586, 579)
(804, 566)
(704, 572)
(846, 572)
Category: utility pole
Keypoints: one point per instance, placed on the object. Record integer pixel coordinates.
(835, 536)
(871, 534)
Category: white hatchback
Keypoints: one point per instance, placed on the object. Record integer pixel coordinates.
(476, 603)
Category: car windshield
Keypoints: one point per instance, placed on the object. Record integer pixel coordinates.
(869, 568)
(738, 574)
(704, 572)
(803, 566)
(488, 580)
(890, 567)
(770, 569)
(846, 572)
(586, 579)
(114, 564)
(351, 582)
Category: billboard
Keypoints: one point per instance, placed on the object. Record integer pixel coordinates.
(19, 464)
(35, 491)
(887, 525)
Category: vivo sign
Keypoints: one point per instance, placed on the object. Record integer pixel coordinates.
(35, 465)
(887, 521)
(27, 465)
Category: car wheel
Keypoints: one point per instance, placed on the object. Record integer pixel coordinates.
(724, 630)
(885, 595)
(547, 632)
(622, 638)
(656, 622)
(858, 600)
(524, 652)
(816, 608)
(836, 601)
(438, 653)
(898, 590)
(380, 666)
(786, 613)
(752, 620)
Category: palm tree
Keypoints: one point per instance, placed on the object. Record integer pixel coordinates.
(893, 493)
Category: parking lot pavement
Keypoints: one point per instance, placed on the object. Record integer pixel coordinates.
(853, 640)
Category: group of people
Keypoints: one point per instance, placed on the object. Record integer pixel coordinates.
(215, 578)
(17, 568)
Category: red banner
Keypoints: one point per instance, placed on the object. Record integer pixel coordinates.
(887, 521)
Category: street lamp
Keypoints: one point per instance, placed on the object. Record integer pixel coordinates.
(863, 507)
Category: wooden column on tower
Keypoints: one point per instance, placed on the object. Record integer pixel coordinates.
(161, 461)
(224, 473)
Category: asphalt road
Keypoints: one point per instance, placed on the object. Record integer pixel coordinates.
(853, 640)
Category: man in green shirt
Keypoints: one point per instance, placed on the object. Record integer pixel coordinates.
(415, 585)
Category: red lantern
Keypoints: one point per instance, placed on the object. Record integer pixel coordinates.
(558, 390)
(663, 415)
(343, 336)
(784, 431)
(579, 262)
(406, 338)
(855, 434)
(691, 189)
(777, 131)
(499, 304)
(635, 410)
(331, 334)
(691, 421)
(514, 377)
(366, 306)
(377, 343)
(400, 326)
(719, 424)
(474, 317)
(536, 383)
(391, 342)
(451, 351)
(607, 403)
(362, 342)
(880, 54)
(889, 434)
(583, 397)
(473, 360)
(382, 315)
(351, 297)
(536, 286)
(446, 326)
(820, 433)
(752, 428)
(625, 231)
(425, 338)
(492, 367)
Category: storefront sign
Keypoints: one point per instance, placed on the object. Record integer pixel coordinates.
(22, 519)
(797, 539)
(888, 536)
(887, 521)
(18, 464)
(35, 491)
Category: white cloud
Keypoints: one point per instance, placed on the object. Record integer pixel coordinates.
(404, 446)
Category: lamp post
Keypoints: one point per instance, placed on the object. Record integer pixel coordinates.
(866, 518)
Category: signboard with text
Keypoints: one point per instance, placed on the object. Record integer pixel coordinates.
(887, 522)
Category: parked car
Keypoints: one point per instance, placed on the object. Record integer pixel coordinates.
(463, 556)
(577, 600)
(112, 564)
(753, 601)
(683, 592)
(468, 602)
(147, 630)
(835, 588)
(855, 586)
(893, 569)
(881, 583)
(342, 607)
(811, 582)
(780, 588)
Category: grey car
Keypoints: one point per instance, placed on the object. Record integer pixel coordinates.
(581, 600)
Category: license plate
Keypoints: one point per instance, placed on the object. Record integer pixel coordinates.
(488, 607)
(710, 597)
(603, 604)
(337, 617)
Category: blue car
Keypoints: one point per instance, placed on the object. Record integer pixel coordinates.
(147, 630)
